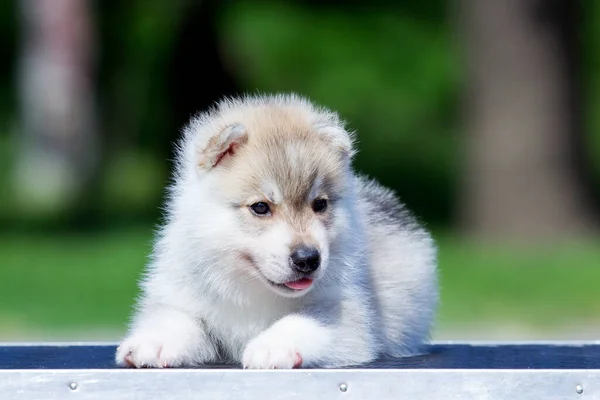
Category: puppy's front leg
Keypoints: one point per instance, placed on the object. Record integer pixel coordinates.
(301, 340)
(162, 336)
(291, 342)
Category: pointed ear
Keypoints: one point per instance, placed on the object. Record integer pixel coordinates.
(340, 139)
(221, 147)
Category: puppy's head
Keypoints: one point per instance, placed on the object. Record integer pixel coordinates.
(280, 169)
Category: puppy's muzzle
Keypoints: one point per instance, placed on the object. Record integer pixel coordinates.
(305, 260)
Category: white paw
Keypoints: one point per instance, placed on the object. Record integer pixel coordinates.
(165, 338)
(268, 351)
(151, 351)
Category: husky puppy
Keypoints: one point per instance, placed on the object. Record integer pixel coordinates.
(275, 254)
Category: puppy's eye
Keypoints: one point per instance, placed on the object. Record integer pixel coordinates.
(260, 208)
(319, 205)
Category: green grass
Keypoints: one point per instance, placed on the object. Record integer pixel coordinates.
(542, 286)
(88, 282)
(71, 281)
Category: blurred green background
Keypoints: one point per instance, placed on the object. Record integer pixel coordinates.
(398, 72)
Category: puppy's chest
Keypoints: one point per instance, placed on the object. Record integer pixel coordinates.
(233, 326)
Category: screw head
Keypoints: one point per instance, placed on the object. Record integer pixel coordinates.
(343, 387)
(579, 389)
(73, 385)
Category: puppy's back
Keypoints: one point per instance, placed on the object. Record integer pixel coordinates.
(402, 256)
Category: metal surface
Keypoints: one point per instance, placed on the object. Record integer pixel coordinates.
(298, 384)
(449, 371)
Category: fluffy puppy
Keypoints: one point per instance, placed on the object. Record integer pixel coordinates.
(275, 254)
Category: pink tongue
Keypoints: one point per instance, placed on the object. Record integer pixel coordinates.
(302, 284)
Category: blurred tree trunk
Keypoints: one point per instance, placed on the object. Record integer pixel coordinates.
(57, 152)
(523, 120)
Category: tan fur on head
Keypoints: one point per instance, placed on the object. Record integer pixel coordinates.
(260, 116)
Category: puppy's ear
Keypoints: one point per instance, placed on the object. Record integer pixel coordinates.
(221, 147)
(340, 139)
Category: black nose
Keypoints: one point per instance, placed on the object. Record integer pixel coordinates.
(305, 259)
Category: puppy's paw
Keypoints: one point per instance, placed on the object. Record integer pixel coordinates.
(269, 352)
(165, 338)
(151, 350)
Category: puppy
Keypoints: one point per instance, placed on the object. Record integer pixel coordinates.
(275, 254)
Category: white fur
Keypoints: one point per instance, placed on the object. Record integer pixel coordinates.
(375, 292)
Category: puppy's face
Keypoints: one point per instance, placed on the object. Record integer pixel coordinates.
(287, 190)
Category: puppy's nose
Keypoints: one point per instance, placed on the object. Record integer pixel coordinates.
(305, 259)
